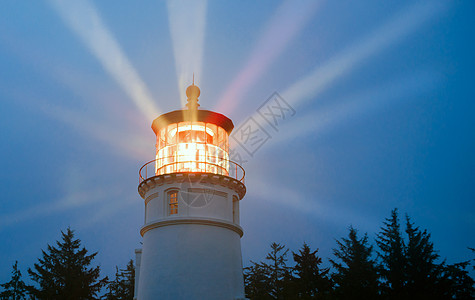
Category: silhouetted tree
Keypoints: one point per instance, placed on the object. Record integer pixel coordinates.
(122, 287)
(267, 280)
(311, 281)
(63, 272)
(456, 282)
(277, 269)
(422, 272)
(289, 285)
(404, 269)
(356, 276)
(257, 283)
(392, 257)
(473, 260)
(15, 289)
(410, 270)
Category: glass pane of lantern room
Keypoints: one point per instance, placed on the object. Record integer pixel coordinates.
(184, 138)
(221, 138)
(169, 154)
(161, 147)
(171, 134)
(212, 130)
(199, 131)
(227, 142)
(161, 138)
(224, 155)
(211, 139)
(184, 132)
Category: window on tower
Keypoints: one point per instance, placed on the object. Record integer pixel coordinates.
(172, 202)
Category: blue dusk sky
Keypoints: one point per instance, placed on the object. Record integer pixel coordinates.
(377, 100)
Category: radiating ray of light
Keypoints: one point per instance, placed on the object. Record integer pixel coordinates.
(187, 22)
(78, 191)
(72, 200)
(82, 17)
(323, 209)
(126, 140)
(369, 101)
(398, 27)
(391, 32)
(129, 145)
(286, 23)
(109, 208)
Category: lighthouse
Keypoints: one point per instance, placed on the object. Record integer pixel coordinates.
(191, 191)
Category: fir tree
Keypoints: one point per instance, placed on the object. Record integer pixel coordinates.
(256, 281)
(122, 287)
(277, 269)
(456, 282)
(266, 280)
(356, 276)
(312, 282)
(422, 272)
(411, 271)
(63, 272)
(473, 252)
(393, 260)
(15, 289)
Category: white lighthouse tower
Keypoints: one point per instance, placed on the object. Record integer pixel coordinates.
(191, 234)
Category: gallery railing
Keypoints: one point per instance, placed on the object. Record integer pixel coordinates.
(169, 165)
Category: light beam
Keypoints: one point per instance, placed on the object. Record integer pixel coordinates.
(131, 145)
(82, 17)
(370, 101)
(400, 26)
(187, 21)
(308, 88)
(286, 23)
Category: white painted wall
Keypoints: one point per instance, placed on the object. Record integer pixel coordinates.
(218, 206)
(191, 261)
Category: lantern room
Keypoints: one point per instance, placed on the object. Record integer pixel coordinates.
(192, 140)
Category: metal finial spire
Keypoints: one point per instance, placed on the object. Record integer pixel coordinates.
(193, 92)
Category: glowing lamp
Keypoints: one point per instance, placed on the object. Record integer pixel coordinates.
(192, 140)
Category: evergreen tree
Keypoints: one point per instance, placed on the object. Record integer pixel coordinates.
(422, 272)
(289, 285)
(122, 287)
(277, 269)
(457, 283)
(473, 259)
(267, 280)
(431, 280)
(256, 281)
(312, 282)
(411, 271)
(15, 289)
(356, 276)
(63, 272)
(393, 260)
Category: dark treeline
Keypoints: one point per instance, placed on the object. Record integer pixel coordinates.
(399, 266)
(64, 271)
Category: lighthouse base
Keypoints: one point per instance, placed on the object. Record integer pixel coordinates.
(191, 260)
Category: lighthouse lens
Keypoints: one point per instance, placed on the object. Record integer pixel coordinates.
(192, 147)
